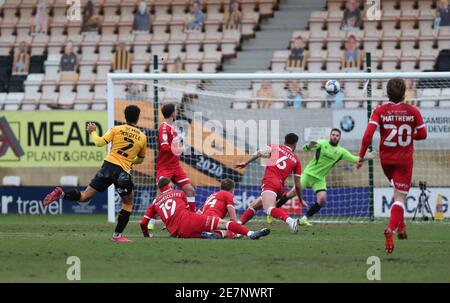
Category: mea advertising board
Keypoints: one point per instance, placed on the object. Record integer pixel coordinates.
(50, 139)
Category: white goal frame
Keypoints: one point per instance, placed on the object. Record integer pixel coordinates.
(111, 77)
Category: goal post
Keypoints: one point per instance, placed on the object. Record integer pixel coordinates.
(224, 118)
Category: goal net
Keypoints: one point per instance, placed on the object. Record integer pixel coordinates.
(224, 118)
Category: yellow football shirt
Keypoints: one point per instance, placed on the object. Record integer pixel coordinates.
(127, 143)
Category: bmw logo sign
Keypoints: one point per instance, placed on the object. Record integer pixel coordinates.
(347, 123)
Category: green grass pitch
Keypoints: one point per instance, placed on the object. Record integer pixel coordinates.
(36, 248)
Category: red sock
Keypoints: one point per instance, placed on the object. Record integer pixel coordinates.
(248, 214)
(396, 216)
(237, 228)
(278, 213)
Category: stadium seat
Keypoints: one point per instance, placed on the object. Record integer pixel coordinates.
(11, 181)
(431, 94)
(2, 100)
(445, 98)
(13, 101)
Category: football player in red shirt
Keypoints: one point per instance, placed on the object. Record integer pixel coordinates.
(169, 150)
(221, 203)
(281, 164)
(400, 124)
(173, 209)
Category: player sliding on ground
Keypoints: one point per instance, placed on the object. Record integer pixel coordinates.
(400, 124)
(129, 146)
(219, 204)
(327, 154)
(281, 164)
(172, 207)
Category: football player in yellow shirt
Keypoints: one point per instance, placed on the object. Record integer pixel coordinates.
(128, 147)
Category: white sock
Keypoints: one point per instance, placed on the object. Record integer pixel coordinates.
(239, 222)
(304, 218)
(117, 235)
(289, 220)
(250, 233)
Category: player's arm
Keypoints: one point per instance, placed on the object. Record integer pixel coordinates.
(349, 157)
(149, 214)
(232, 212)
(298, 189)
(297, 183)
(99, 141)
(265, 152)
(420, 132)
(141, 155)
(312, 145)
(368, 135)
(230, 208)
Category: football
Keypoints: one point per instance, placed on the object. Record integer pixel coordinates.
(332, 87)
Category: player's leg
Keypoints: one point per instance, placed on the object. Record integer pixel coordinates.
(251, 211)
(396, 209)
(402, 180)
(124, 186)
(319, 186)
(189, 190)
(240, 229)
(180, 179)
(269, 202)
(286, 197)
(71, 195)
(99, 183)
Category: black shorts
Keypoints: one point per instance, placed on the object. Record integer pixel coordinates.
(113, 174)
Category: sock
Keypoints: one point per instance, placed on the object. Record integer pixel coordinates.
(283, 199)
(122, 222)
(396, 215)
(72, 195)
(277, 213)
(313, 209)
(191, 202)
(236, 228)
(247, 215)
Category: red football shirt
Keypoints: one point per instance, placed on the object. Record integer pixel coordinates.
(166, 136)
(216, 204)
(397, 122)
(281, 164)
(170, 206)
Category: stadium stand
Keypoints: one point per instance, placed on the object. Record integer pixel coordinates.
(110, 23)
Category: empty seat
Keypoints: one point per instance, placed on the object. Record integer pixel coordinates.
(429, 97)
(11, 181)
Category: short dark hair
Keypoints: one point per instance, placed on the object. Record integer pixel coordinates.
(163, 182)
(291, 139)
(132, 113)
(227, 184)
(336, 130)
(396, 89)
(167, 110)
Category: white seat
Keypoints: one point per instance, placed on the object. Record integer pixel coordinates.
(11, 181)
(68, 181)
(432, 94)
(445, 98)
